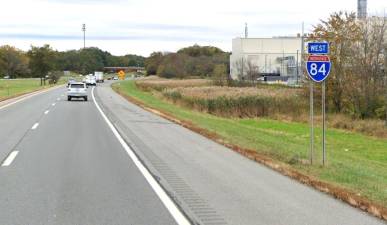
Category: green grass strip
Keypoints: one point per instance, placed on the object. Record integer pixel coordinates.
(355, 161)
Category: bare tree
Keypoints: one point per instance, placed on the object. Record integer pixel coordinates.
(240, 67)
(252, 70)
(246, 69)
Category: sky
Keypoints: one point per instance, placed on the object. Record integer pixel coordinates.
(144, 26)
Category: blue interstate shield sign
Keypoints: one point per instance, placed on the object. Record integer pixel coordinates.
(318, 67)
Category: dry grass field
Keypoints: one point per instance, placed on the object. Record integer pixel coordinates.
(211, 92)
(161, 84)
(239, 101)
(269, 101)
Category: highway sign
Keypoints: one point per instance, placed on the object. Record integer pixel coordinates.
(121, 75)
(318, 48)
(318, 67)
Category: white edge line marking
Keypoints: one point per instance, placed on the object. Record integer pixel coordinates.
(46, 112)
(24, 98)
(35, 126)
(10, 158)
(165, 199)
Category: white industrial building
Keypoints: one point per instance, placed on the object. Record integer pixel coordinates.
(277, 58)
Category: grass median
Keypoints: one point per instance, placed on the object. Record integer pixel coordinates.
(355, 162)
(10, 88)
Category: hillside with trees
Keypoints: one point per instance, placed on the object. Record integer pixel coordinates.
(191, 61)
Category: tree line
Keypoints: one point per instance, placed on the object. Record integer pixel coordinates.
(42, 61)
(204, 61)
(358, 50)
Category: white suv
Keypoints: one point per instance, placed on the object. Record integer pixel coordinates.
(77, 90)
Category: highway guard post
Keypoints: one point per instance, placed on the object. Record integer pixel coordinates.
(318, 67)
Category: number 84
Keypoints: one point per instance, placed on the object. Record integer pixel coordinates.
(314, 69)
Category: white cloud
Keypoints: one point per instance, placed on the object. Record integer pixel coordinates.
(127, 26)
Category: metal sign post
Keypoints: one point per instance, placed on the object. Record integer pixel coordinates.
(311, 123)
(318, 66)
(323, 122)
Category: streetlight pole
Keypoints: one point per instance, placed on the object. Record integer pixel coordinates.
(84, 35)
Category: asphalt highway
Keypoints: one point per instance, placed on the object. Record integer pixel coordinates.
(107, 161)
(69, 168)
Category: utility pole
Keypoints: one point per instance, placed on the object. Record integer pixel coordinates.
(246, 31)
(84, 35)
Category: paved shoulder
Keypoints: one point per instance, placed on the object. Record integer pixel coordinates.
(215, 185)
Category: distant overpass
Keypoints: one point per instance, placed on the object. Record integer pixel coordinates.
(124, 68)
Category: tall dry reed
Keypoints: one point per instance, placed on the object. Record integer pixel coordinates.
(281, 103)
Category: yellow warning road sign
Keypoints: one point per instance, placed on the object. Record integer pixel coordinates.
(121, 75)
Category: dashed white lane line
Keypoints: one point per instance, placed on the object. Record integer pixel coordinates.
(10, 158)
(53, 104)
(165, 199)
(58, 99)
(35, 126)
(46, 112)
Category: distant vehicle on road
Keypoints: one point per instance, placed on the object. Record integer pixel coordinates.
(90, 80)
(70, 81)
(115, 78)
(7, 77)
(99, 77)
(77, 90)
